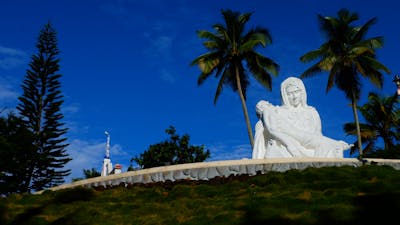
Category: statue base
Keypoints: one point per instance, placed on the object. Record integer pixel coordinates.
(209, 170)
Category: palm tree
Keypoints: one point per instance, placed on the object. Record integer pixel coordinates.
(382, 117)
(229, 47)
(346, 55)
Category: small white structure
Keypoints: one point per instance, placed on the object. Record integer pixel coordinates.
(117, 169)
(107, 165)
(292, 129)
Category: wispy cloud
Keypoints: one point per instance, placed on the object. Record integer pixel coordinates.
(162, 43)
(11, 58)
(168, 77)
(71, 109)
(11, 51)
(88, 155)
(160, 47)
(230, 152)
(114, 9)
(6, 93)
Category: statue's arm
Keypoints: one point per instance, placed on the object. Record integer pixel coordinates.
(271, 122)
(304, 136)
(317, 122)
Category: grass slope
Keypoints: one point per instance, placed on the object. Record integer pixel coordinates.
(331, 195)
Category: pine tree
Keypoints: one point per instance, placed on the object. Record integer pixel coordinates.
(40, 106)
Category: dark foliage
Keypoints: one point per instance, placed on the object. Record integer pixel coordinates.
(176, 150)
(348, 56)
(88, 173)
(391, 153)
(382, 120)
(40, 107)
(16, 154)
(91, 173)
(232, 56)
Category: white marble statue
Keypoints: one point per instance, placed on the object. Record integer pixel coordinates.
(293, 129)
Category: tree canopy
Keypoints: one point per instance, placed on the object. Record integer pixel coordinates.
(40, 108)
(382, 120)
(175, 150)
(16, 154)
(232, 56)
(347, 55)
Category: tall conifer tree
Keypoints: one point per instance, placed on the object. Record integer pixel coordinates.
(40, 106)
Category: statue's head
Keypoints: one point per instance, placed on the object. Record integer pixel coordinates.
(293, 93)
(260, 106)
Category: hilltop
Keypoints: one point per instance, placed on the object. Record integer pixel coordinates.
(329, 195)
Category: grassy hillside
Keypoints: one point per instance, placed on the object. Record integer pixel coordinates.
(334, 195)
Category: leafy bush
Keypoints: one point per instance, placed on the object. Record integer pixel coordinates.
(176, 150)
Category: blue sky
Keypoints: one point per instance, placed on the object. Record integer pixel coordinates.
(125, 67)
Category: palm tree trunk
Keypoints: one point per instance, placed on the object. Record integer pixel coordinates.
(359, 143)
(244, 107)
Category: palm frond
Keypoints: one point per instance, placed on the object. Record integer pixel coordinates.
(206, 61)
(268, 64)
(331, 78)
(362, 31)
(260, 66)
(220, 87)
(250, 45)
(346, 16)
(257, 36)
(360, 50)
(374, 64)
(327, 25)
(367, 132)
(212, 45)
(327, 63)
(207, 35)
(311, 56)
(373, 43)
(253, 41)
(244, 18)
(257, 62)
(312, 71)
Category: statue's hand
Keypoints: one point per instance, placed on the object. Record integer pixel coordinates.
(344, 146)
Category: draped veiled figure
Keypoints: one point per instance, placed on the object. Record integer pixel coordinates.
(292, 129)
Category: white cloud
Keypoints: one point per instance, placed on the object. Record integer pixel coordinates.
(10, 62)
(163, 43)
(227, 152)
(11, 58)
(6, 93)
(160, 47)
(11, 52)
(88, 155)
(114, 9)
(7, 90)
(71, 109)
(168, 77)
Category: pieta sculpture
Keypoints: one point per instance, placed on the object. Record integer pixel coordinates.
(292, 129)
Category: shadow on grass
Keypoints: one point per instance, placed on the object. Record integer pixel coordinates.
(72, 195)
(27, 216)
(378, 208)
(372, 209)
(30, 215)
